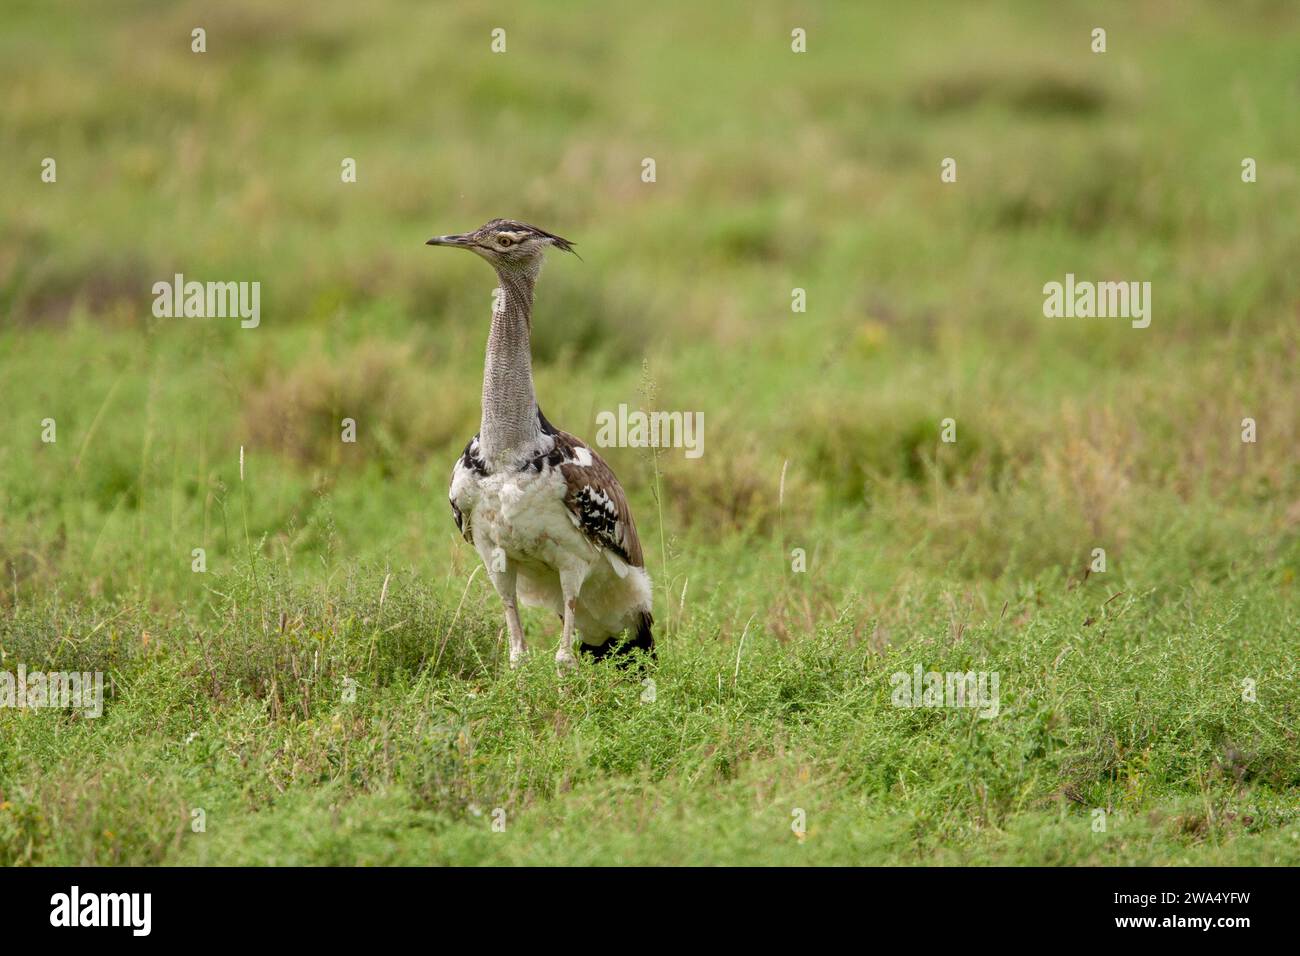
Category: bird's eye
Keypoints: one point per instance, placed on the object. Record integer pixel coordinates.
(503, 241)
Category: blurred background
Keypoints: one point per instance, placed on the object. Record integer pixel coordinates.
(332, 566)
(775, 170)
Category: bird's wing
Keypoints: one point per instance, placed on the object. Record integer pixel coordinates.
(468, 467)
(596, 501)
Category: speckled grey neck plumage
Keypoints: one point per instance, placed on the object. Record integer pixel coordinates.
(510, 420)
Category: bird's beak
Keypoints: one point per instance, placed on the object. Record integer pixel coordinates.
(448, 241)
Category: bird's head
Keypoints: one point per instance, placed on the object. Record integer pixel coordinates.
(508, 245)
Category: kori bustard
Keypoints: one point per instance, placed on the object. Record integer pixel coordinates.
(544, 511)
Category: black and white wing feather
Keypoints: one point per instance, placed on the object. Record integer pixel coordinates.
(469, 467)
(594, 497)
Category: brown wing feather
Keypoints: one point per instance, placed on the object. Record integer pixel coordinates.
(597, 500)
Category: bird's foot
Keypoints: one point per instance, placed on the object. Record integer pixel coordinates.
(517, 659)
(565, 661)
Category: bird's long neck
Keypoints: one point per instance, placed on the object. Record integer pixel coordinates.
(509, 404)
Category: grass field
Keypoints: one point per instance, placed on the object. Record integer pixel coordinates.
(332, 689)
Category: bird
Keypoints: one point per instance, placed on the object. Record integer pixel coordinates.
(545, 513)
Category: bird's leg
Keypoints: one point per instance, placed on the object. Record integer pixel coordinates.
(504, 582)
(570, 584)
(564, 654)
(517, 646)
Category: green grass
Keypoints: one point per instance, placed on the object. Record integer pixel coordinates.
(334, 566)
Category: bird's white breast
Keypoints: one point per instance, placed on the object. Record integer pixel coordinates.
(523, 514)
